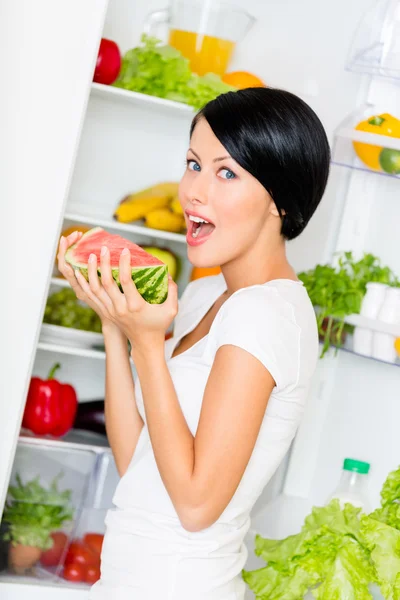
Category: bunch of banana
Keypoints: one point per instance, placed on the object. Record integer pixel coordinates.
(158, 205)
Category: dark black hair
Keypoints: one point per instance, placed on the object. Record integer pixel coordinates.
(278, 138)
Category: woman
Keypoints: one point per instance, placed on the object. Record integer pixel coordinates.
(214, 409)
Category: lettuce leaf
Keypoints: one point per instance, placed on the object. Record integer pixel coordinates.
(328, 550)
(349, 576)
(269, 584)
(383, 542)
(162, 71)
(389, 514)
(391, 488)
(337, 554)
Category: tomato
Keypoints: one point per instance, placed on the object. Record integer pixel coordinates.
(92, 574)
(79, 553)
(94, 541)
(51, 557)
(74, 572)
(108, 62)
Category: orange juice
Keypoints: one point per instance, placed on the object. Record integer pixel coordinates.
(207, 54)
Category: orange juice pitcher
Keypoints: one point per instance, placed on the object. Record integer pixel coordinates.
(204, 31)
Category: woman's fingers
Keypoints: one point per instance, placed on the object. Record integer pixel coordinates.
(87, 295)
(133, 298)
(108, 281)
(64, 268)
(95, 287)
(172, 299)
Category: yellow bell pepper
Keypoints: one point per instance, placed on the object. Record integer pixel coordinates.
(384, 124)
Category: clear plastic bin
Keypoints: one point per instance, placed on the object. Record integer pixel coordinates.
(376, 47)
(43, 526)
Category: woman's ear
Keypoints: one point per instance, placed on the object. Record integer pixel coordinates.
(274, 211)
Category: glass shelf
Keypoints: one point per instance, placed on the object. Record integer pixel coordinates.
(376, 46)
(368, 145)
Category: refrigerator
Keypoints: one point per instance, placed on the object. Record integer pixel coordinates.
(72, 149)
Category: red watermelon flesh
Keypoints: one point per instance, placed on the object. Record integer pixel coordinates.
(148, 272)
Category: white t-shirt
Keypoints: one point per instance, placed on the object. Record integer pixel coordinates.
(275, 322)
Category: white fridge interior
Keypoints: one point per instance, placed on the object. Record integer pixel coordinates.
(127, 142)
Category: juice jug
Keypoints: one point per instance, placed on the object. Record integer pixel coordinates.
(204, 31)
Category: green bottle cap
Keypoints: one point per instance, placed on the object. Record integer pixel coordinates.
(357, 466)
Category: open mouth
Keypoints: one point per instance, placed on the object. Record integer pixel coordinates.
(199, 228)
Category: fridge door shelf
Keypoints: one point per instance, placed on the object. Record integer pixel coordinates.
(347, 343)
(376, 46)
(115, 94)
(346, 136)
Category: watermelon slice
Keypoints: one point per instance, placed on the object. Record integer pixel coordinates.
(148, 272)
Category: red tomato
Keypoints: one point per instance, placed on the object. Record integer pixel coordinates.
(79, 553)
(94, 541)
(51, 557)
(108, 62)
(74, 572)
(92, 574)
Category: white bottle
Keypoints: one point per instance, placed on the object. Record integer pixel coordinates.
(353, 483)
(370, 307)
(383, 343)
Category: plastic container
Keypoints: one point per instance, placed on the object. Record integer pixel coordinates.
(383, 343)
(370, 307)
(83, 468)
(353, 484)
(376, 47)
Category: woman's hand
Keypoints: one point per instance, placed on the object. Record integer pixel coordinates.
(69, 275)
(143, 324)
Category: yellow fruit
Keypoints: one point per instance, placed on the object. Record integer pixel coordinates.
(242, 80)
(198, 272)
(397, 345)
(136, 206)
(176, 207)
(165, 219)
(66, 232)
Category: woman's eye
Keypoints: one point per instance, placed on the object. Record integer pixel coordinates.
(227, 174)
(193, 165)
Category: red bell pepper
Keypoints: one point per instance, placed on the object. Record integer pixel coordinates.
(108, 62)
(50, 406)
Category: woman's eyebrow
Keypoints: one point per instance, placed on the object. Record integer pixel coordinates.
(214, 160)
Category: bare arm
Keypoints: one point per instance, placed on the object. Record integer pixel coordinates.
(123, 421)
(201, 473)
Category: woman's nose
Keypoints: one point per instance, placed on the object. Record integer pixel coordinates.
(198, 191)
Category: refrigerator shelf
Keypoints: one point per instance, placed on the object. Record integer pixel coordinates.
(346, 136)
(74, 439)
(74, 214)
(115, 94)
(59, 282)
(83, 352)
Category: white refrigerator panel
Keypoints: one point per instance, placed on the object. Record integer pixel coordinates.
(53, 46)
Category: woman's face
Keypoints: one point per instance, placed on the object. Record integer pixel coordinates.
(237, 208)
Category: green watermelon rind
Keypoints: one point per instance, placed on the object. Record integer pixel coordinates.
(151, 282)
